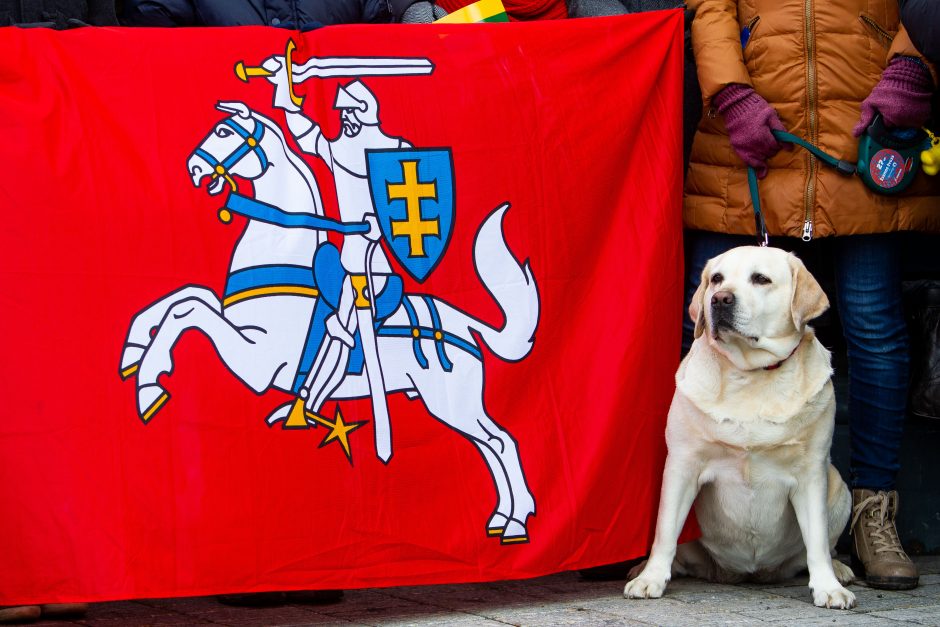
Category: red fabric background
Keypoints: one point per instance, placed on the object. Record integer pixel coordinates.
(577, 123)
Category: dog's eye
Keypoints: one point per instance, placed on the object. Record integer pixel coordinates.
(760, 279)
(717, 278)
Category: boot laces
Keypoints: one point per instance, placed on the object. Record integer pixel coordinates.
(883, 533)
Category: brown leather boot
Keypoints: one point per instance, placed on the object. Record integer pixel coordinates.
(876, 549)
(19, 613)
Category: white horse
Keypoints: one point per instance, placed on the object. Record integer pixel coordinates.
(261, 326)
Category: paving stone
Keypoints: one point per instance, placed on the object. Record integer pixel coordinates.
(736, 600)
(372, 613)
(369, 600)
(795, 614)
(928, 564)
(186, 605)
(844, 618)
(929, 615)
(121, 609)
(542, 616)
(873, 599)
(662, 611)
(436, 620)
(926, 590)
(561, 599)
(160, 620)
(284, 615)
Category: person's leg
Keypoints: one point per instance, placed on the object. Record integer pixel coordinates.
(868, 290)
(868, 287)
(700, 246)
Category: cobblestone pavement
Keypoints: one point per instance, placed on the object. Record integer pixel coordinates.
(562, 599)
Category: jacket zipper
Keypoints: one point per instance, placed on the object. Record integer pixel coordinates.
(886, 37)
(809, 193)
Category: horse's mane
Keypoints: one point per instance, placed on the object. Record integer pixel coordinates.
(299, 164)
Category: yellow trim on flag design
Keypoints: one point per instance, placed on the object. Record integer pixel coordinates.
(130, 370)
(157, 404)
(273, 290)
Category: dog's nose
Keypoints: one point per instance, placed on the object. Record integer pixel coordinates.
(722, 299)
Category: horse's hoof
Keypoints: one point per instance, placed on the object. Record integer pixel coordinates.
(150, 399)
(496, 525)
(130, 360)
(514, 533)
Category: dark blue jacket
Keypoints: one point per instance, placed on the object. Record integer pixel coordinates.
(289, 13)
(57, 13)
(921, 18)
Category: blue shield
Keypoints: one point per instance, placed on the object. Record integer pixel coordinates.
(413, 194)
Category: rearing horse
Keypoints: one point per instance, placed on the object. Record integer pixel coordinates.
(264, 325)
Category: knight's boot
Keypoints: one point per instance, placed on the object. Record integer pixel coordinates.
(876, 549)
(329, 366)
(328, 377)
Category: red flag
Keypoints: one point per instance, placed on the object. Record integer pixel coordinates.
(196, 407)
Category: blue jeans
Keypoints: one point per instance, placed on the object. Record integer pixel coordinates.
(867, 273)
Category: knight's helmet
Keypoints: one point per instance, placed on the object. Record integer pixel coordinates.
(357, 97)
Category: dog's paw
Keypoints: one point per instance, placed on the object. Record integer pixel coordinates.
(834, 598)
(843, 573)
(636, 570)
(644, 588)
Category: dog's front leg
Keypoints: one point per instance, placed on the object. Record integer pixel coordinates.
(680, 485)
(809, 502)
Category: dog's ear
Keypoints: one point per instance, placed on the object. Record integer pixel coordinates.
(697, 306)
(809, 301)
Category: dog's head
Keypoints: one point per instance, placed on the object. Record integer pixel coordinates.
(754, 303)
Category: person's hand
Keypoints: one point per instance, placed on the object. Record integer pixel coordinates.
(749, 120)
(282, 90)
(902, 96)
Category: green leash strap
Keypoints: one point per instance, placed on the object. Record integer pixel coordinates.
(759, 224)
(843, 167)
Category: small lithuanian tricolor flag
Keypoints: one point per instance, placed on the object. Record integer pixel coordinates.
(481, 11)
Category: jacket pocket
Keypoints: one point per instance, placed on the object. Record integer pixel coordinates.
(876, 30)
(748, 30)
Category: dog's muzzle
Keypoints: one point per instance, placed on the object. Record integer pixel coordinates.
(722, 305)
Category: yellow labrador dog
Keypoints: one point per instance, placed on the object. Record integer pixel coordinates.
(749, 433)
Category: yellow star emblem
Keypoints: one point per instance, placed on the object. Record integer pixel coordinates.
(339, 430)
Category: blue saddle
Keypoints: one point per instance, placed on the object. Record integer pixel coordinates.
(329, 275)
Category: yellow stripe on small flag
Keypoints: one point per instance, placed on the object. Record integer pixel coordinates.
(481, 11)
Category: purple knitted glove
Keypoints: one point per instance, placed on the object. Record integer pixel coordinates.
(902, 96)
(749, 120)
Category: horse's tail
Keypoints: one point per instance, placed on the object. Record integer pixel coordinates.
(513, 287)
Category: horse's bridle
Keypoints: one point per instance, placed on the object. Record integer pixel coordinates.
(251, 142)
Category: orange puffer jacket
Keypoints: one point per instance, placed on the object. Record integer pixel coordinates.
(814, 61)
